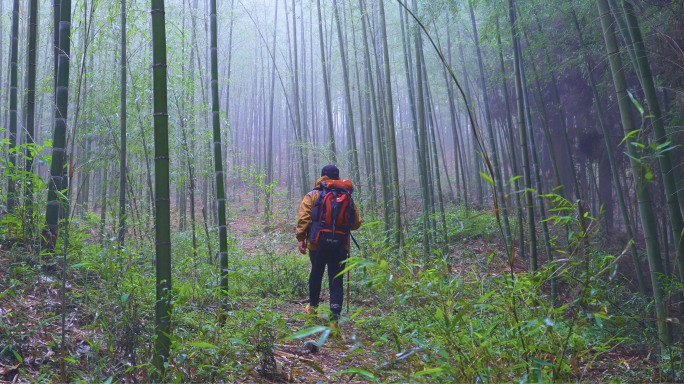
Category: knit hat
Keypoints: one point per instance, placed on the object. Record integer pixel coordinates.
(331, 171)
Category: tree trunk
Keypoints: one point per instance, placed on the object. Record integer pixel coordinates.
(513, 154)
(326, 86)
(303, 157)
(643, 196)
(218, 163)
(391, 134)
(351, 134)
(522, 127)
(57, 182)
(498, 182)
(661, 137)
(162, 342)
(377, 112)
(14, 50)
(122, 117)
(269, 149)
(422, 142)
(613, 165)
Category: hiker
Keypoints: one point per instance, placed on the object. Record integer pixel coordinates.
(328, 244)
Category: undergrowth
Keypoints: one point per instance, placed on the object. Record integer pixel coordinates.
(457, 316)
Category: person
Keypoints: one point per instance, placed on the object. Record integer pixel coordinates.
(333, 259)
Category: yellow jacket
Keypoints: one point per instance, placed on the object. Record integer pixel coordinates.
(304, 219)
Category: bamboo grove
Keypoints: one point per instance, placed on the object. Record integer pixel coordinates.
(145, 119)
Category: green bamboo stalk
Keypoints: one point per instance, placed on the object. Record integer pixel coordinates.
(662, 139)
(269, 159)
(326, 86)
(437, 175)
(611, 158)
(498, 181)
(517, 63)
(351, 136)
(422, 142)
(476, 157)
(163, 308)
(56, 17)
(218, 163)
(31, 101)
(643, 196)
(390, 131)
(14, 48)
(538, 186)
(57, 182)
(122, 122)
(366, 129)
(452, 121)
(300, 129)
(513, 154)
(377, 113)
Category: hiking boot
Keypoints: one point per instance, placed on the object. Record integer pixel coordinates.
(335, 330)
(310, 310)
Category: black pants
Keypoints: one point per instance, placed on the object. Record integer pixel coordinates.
(333, 259)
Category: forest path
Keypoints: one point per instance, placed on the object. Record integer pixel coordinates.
(295, 364)
(247, 225)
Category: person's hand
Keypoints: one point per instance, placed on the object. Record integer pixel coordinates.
(302, 247)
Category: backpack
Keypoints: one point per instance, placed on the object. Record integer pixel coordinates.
(332, 215)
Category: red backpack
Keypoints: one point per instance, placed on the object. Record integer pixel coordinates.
(332, 215)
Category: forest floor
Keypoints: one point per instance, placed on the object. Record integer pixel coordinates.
(31, 325)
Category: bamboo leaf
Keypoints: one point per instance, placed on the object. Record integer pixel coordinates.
(314, 366)
(636, 103)
(359, 371)
(307, 332)
(428, 372)
(238, 341)
(487, 178)
(629, 135)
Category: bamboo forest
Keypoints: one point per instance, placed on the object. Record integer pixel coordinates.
(494, 187)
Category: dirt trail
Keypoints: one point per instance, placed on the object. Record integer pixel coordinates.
(294, 363)
(247, 225)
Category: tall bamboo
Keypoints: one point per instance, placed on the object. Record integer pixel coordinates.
(269, 158)
(391, 134)
(57, 181)
(476, 166)
(163, 306)
(665, 158)
(31, 98)
(303, 152)
(229, 62)
(513, 154)
(366, 125)
(422, 142)
(218, 163)
(14, 44)
(498, 181)
(351, 134)
(122, 121)
(522, 127)
(538, 185)
(611, 158)
(643, 196)
(56, 17)
(377, 111)
(326, 86)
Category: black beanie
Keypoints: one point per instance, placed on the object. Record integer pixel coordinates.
(331, 171)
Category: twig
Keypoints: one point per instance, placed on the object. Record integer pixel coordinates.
(293, 356)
